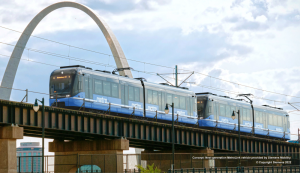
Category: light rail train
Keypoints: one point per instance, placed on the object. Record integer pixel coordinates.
(79, 87)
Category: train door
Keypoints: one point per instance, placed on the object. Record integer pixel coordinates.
(216, 110)
(264, 119)
(201, 104)
(287, 122)
(124, 94)
(88, 87)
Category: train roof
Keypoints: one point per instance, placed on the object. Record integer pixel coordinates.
(108, 74)
(240, 101)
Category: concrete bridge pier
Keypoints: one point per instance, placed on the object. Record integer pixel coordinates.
(106, 154)
(8, 150)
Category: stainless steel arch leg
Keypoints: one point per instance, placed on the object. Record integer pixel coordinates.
(12, 66)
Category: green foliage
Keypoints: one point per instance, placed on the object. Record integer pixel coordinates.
(149, 169)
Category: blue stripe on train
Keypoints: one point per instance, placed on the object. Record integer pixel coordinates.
(230, 124)
(102, 104)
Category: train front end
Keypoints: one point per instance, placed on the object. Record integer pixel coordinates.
(64, 86)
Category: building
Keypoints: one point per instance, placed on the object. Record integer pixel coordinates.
(33, 163)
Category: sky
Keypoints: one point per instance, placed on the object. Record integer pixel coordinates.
(247, 42)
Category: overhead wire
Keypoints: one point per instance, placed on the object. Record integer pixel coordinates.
(286, 95)
(146, 72)
(84, 48)
(102, 64)
(152, 73)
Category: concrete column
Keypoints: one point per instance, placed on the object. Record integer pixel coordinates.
(8, 149)
(107, 154)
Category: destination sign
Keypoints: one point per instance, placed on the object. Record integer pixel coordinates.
(62, 77)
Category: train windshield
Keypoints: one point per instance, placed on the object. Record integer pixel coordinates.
(201, 103)
(61, 85)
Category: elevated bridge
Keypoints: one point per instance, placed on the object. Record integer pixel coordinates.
(66, 124)
(108, 133)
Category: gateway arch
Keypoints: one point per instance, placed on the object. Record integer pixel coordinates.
(13, 63)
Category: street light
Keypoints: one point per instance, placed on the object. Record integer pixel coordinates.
(239, 145)
(247, 96)
(36, 108)
(173, 134)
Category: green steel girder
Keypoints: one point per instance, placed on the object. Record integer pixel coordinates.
(69, 124)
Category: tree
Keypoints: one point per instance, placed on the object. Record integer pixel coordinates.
(149, 169)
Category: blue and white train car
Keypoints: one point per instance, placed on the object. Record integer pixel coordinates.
(79, 87)
(76, 86)
(216, 111)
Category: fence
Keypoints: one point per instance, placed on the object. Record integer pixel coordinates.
(257, 169)
(33, 164)
(184, 163)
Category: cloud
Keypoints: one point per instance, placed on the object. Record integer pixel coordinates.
(253, 42)
(117, 7)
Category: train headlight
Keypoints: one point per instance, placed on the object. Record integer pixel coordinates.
(51, 97)
(67, 95)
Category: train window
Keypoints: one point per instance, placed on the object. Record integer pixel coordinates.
(106, 88)
(159, 100)
(122, 94)
(288, 121)
(256, 115)
(176, 101)
(244, 114)
(182, 102)
(154, 98)
(163, 103)
(86, 87)
(259, 117)
(192, 101)
(98, 87)
(169, 98)
(275, 120)
(228, 114)
(126, 95)
(248, 114)
(77, 88)
(131, 93)
(222, 110)
(136, 94)
(209, 107)
(150, 97)
(91, 88)
(216, 108)
(271, 119)
(279, 120)
(114, 90)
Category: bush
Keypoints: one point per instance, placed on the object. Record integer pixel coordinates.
(149, 169)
